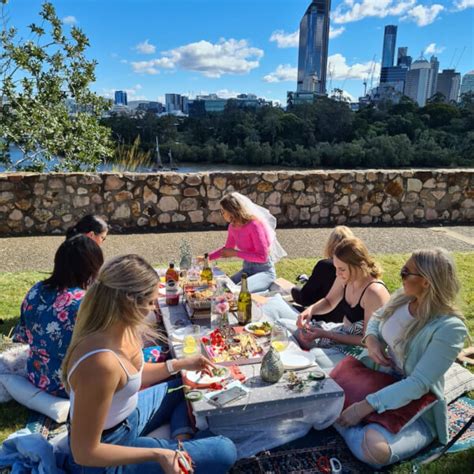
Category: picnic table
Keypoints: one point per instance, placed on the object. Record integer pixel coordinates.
(270, 414)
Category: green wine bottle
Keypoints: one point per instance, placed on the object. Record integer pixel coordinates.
(206, 273)
(244, 303)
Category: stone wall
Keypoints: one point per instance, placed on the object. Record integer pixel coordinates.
(32, 203)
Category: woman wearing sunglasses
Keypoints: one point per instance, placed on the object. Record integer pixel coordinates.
(416, 336)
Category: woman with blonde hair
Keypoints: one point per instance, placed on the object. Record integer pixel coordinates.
(323, 276)
(416, 336)
(359, 291)
(104, 371)
(251, 236)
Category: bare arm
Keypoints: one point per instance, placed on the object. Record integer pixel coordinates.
(91, 405)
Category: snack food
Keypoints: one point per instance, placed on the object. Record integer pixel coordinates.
(263, 328)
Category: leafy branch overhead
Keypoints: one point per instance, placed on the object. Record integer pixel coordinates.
(46, 107)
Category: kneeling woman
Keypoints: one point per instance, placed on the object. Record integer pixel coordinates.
(104, 371)
(422, 331)
(251, 237)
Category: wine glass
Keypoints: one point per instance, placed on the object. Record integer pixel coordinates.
(279, 337)
(191, 340)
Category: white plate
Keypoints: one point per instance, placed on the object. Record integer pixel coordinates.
(247, 328)
(198, 378)
(296, 359)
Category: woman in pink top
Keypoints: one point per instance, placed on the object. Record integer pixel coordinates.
(251, 237)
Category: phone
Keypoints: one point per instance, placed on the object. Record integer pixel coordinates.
(227, 396)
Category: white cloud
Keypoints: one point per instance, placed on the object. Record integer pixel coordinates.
(337, 68)
(349, 10)
(69, 20)
(291, 40)
(145, 47)
(285, 40)
(283, 73)
(335, 32)
(433, 49)
(463, 4)
(210, 59)
(422, 15)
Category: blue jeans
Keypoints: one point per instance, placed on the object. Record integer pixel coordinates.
(403, 445)
(260, 276)
(210, 454)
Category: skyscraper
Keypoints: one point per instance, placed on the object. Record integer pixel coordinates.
(403, 59)
(421, 80)
(120, 98)
(449, 82)
(313, 47)
(389, 41)
(467, 82)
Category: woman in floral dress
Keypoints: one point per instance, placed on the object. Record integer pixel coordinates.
(48, 312)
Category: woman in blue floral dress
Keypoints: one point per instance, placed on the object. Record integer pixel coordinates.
(48, 312)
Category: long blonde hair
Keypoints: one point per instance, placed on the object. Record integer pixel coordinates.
(338, 234)
(123, 288)
(233, 206)
(353, 252)
(439, 270)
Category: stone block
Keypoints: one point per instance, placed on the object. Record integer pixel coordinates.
(414, 185)
(191, 192)
(42, 215)
(273, 199)
(168, 203)
(121, 212)
(16, 215)
(168, 190)
(173, 178)
(178, 218)
(193, 180)
(6, 197)
(282, 185)
(213, 192)
(196, 216)
(123, 196)
(142, 221)
(56, 184)
(113, 183)
(264, 187)
(164, 218)
(298, 185)
(188, 204)
(270, 177)
(29, 222)
(305, 200)
(80, 201)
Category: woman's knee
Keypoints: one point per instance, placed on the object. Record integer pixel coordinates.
(375, 448)
(226, 452)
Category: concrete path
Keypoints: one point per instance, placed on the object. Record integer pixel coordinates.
(37, 253)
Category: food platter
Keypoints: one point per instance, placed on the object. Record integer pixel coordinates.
(261, 328)
(197, 379)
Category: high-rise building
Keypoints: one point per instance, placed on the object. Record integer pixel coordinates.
(389, 41)
(402, 58)
(313, 47)
(467, 82)
(176, 104)
(449, 82)
(120, 98)
(421, 81)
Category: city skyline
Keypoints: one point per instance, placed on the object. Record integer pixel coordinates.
(192, 47)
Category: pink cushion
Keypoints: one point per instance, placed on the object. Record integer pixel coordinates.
(358, 381)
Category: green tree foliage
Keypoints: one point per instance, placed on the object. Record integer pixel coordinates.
(38, 76)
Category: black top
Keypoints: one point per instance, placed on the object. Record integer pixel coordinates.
(355, 313)
(319, 283)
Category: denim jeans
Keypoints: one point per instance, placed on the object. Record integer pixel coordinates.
(210, 454)
(260, 276)
(403, 445)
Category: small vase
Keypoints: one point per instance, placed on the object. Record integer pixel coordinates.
(271, 369)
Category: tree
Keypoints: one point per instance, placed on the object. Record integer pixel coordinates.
(38, 78)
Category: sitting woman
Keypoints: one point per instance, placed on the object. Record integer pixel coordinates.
(92, 226)
(251, 237)
(357, 290)
(48, 312)
(104, 371)
(323, 277)
(416, 336)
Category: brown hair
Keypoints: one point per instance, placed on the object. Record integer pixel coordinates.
(232, 205)
(353, 252)
(338, 234)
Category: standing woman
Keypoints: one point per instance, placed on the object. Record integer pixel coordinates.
(91, 226)
(416, 336)
(104, 371)
(251, 236)
(49, 310)
(359, 292)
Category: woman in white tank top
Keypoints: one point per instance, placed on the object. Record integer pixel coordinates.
(104, 371)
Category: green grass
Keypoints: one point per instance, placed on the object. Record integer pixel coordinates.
(13, 287)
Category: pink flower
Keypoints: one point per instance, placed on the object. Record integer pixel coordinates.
(44, 355)
(79, 294)
(43, 382)
(63, 299)
(29, 336)
(222, 307)
(62, 316)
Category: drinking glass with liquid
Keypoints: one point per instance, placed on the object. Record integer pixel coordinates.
(279, 337)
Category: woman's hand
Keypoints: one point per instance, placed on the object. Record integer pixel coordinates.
(228, 253)
(168, 460)
(197, 363)
(355, 413)
(304, 318)
(376, 351)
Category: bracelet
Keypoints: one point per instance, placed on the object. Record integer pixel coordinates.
(169, 366)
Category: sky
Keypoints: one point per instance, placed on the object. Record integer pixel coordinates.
(153, 47)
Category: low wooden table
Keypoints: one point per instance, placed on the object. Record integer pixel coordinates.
(266, 408)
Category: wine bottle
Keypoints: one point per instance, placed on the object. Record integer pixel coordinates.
(206, 273)
(244, 303)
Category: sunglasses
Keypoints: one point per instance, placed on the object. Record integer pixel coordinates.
(404, 273)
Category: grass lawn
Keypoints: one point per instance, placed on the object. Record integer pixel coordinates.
(13, 287)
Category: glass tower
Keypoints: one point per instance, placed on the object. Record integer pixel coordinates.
(389, 41)
(313, 48)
